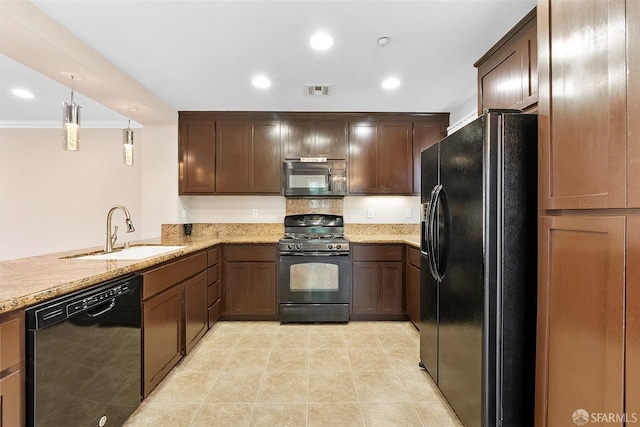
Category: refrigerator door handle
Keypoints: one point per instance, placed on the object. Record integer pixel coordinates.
(431, 224)
(441, 244)
(424, 218)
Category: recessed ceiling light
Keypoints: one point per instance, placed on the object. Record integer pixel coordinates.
(321, 41)
(383, 41)
(391, 83)
(261, 82)
(22, 93)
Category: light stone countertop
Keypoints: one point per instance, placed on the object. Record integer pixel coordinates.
(28, 281)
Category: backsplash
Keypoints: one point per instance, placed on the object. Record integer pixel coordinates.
(270, 229)
(320, 206)
(386, 229)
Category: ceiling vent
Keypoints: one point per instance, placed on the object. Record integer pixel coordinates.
(317, 90)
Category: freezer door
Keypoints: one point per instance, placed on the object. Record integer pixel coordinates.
(461, 296)
(428, 284)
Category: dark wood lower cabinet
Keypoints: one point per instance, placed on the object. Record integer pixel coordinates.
(412, 285)
(581, 317)
(174, 315)
(632, 342)
(377, 282)
(250, 281)
(162, 330)
(195, 310)
(12, 369)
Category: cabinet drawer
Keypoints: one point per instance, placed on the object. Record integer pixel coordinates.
(161, 278)
(413, 256)
(213, 256)
(250, 253)
(213, 274)
(213, 293)
(376, 252)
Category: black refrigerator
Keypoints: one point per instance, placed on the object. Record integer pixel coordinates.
(478, 268)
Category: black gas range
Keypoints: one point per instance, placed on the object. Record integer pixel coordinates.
(315, 273)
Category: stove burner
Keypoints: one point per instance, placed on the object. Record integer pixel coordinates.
(313, 234)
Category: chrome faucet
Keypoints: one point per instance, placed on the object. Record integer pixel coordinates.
(112, 237)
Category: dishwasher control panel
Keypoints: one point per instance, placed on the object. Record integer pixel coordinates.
(96, 299)
(64, 307)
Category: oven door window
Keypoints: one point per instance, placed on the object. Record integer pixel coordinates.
(314, 276)
(313, 182)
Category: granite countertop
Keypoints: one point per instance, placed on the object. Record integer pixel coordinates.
(27, 281)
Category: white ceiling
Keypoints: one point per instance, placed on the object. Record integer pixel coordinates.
(202, 55)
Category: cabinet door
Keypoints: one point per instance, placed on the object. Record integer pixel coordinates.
(395, 158)
(331, 139)
(580, 353)
(162, 335)
(12, 407)
(265, 170)
(364, 288)
(248, 157)
(12, 381)
(263, 288)
(363, 155)
(381, 158)
(197, 156)
(390, 290)
(582, 125)
(424, 136)
(314, 138)
(298, 139)
(413, 294)
(237, 288)
(632, 358)
(633, 101)
(195, 310)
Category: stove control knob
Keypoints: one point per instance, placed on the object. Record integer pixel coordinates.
(329, 246)
(290, 246)
(338, 246)
(299, 246)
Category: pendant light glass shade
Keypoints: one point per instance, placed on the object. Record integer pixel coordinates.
(127, 140)
(71, 125)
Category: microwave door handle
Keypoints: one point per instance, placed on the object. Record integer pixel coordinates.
(329, 179)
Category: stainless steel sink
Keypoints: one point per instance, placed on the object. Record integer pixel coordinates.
(134, 252)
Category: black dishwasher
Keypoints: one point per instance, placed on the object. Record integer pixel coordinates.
(83, 356)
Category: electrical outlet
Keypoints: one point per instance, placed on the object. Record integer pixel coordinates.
(370, 213)
(255, 213)
(184, 213)
(407, 213)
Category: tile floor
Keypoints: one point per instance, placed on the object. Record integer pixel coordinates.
(268, 374)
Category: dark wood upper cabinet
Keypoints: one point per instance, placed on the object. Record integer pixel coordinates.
(381, 158)
(425, 134)
(196, 156)
(248, 157)
(633, 102)
(508, 72)
(583, 99)
(314, 138)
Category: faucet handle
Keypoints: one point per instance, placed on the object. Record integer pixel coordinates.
(114, 236)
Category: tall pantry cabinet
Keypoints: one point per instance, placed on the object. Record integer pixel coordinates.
(588, 353)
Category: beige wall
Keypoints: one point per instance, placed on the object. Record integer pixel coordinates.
(53, 200)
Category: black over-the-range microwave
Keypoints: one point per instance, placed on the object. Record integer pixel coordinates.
(314, 177)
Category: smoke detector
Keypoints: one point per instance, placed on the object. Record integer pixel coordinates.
(317, 89)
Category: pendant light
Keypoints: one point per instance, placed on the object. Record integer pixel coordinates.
(71, 119)
(127, 139)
